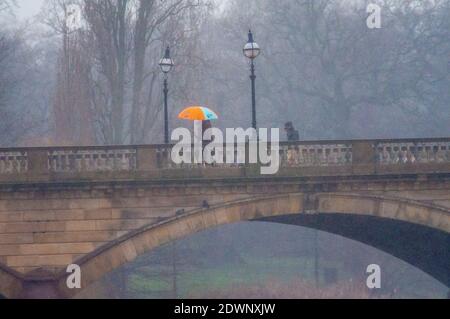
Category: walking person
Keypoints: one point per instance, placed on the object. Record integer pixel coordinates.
(291, 132)
(292, 151)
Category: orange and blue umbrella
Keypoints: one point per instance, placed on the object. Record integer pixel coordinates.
(198, 113)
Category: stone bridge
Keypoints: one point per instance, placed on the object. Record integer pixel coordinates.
(101, 207)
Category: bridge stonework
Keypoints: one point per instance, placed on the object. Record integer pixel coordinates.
(101, 207)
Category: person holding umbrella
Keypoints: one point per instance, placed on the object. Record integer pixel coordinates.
(205, 126)
(203, 114)
(199, 113)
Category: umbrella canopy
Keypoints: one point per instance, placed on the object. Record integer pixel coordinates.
(198, 113)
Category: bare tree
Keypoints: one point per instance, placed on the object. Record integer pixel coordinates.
(7, 49)
(114, 55)
(7, 5)
(322, 64)
(72, 112)
(23, 97)
(128, 37)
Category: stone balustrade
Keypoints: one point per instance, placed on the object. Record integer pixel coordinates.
(13, 162)
(312, 157)
(298, 155)
(413, 152)
(94, 160)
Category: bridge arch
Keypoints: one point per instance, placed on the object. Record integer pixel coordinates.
(125, 249)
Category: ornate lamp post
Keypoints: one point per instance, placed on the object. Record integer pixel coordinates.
(251, 51)
(166, 65)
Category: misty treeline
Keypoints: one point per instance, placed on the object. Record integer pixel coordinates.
(321, 67)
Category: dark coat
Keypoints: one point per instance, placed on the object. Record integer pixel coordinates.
(293, 135)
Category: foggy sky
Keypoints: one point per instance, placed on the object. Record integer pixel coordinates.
(28, 8)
